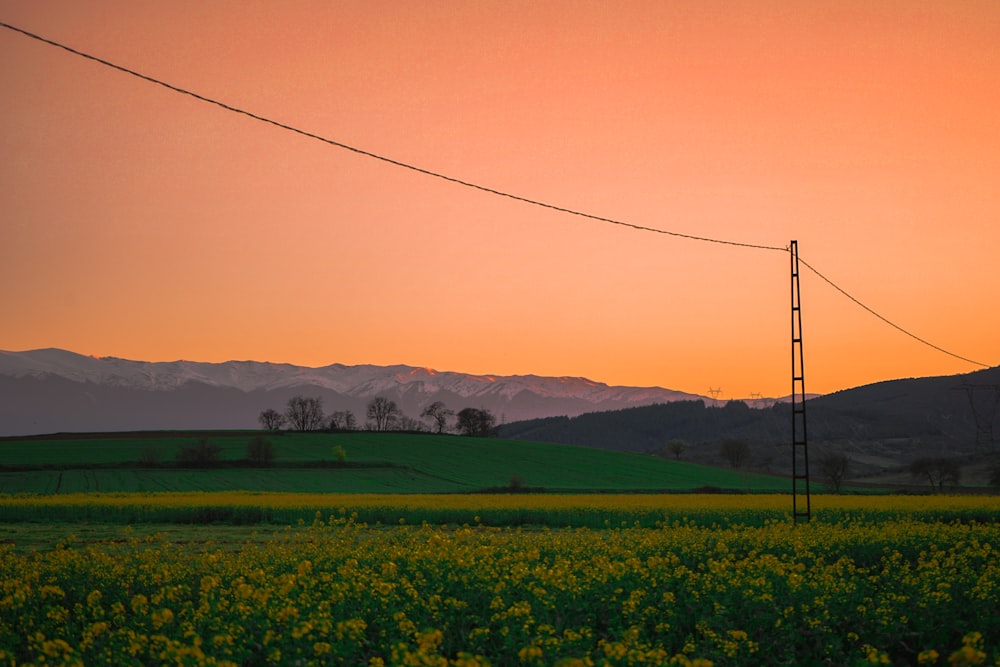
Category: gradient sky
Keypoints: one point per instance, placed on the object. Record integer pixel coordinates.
(141, 223)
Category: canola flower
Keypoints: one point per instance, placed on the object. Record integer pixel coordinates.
(566, 510)
(341, 592)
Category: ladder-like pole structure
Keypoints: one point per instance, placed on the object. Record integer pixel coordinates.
(801, 508)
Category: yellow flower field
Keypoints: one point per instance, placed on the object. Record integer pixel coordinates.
(870, 580)
(574, 510)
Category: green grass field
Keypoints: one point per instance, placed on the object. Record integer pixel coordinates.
(380, 463)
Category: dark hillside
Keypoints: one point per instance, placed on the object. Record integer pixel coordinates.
(882, 426)
(648, 428)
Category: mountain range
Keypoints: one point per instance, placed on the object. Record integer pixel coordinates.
(53, 390)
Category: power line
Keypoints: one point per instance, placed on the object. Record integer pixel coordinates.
(360, 151)
(465, 183)
(887, 321)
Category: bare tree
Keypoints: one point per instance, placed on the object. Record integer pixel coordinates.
(383, 413)
(734, 451)
(476, 423)
(439, 414)
(271, 420)
(305, 414)
(937, 471)
(405, 423)
(343, 420)
(833, 467)
(677, 447)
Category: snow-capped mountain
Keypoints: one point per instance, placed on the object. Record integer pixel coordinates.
(51, 390)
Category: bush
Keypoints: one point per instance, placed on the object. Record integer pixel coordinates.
(201, 455)
(150, 456)
(260, 452)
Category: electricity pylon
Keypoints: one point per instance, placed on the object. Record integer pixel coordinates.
(801, 506)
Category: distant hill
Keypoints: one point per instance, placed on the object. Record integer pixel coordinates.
(881, 426)
(51, 390)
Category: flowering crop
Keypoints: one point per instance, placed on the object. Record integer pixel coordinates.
(555, 510)
(893, 589)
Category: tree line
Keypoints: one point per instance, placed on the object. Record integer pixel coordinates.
(834, 467)
(305, 413)
(204, 454)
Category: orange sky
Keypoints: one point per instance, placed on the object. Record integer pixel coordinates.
(141, 223)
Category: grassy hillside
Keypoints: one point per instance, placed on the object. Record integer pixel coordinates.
(376, 463)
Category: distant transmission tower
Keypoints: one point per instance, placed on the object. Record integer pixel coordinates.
(715, 393)
(801, 506)
(984, 399)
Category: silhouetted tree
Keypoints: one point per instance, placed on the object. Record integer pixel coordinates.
(383, 413)
(305, 414)
(676, 447)
(937, 471)
(350, 423)
(405, 423)
(734, 452)
(478, 423)
(833, 467)
(439, 414)
(343, 420)
(271, 420)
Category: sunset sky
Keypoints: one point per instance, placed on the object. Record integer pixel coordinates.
(141, 223)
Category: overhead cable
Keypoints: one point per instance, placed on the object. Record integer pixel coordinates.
(887, 321)
(376, 156)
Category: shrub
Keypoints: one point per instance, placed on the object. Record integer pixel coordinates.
(151, 456)
(200, 455)
(260, 452)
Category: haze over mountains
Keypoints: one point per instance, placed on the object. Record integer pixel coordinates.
(52, 390)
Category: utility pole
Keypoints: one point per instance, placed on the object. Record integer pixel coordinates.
(801, 506)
